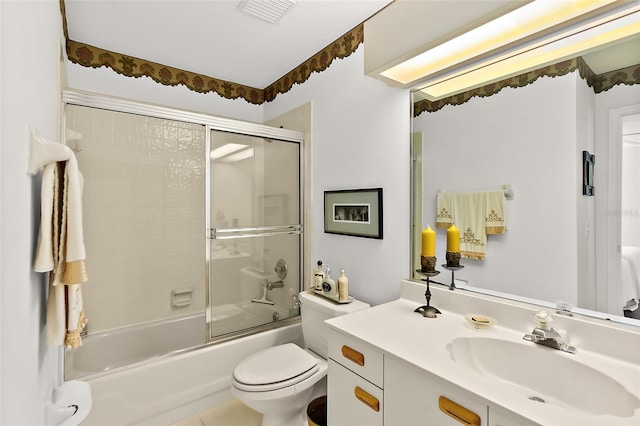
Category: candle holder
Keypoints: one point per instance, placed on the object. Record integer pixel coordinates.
(427, 310)
(427, 265)
(453, 259)
(453, 270)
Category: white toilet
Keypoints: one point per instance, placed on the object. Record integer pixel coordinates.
(280, 381)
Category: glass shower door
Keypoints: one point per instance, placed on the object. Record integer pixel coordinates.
(255, 240)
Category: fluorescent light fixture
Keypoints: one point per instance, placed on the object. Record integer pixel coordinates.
(226, 149)
(530, 58)
(242, 155)
(504, 32)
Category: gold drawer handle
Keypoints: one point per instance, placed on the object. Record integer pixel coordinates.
(353, 355)
(370, 400)
(458, 412)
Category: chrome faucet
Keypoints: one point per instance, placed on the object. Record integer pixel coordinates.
(545, 334)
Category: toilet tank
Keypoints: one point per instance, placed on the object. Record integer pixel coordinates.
(315, 309)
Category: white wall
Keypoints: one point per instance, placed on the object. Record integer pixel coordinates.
(360, 140)
(29, 86)
(525, 137)
(144, 89)
(585, 208)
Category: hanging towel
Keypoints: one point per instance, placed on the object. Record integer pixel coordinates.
(469, 217)
(61, 252)
(495, 212)
(444, 210)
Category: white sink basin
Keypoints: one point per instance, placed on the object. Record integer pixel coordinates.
(544, 374)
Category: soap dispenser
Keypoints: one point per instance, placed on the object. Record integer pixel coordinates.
(343, 287)
(318, 277)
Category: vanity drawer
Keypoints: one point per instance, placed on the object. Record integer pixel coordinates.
(357, 356)
(352, 400)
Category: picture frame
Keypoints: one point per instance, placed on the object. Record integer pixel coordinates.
(354, 212)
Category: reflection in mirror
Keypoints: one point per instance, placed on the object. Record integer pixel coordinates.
(560, 246)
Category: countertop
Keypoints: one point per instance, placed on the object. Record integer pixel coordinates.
(396, 330)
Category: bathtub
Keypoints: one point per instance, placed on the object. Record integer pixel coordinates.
(160, 389)
(129, 345)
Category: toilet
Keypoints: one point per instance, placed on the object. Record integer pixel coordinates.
(280, 381)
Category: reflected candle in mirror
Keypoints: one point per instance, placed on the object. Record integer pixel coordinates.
(453, 239)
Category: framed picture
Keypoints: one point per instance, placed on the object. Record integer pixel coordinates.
(355, 212)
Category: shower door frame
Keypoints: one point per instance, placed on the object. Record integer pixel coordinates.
(209, 122)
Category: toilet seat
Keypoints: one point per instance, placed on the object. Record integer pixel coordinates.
(275, 368)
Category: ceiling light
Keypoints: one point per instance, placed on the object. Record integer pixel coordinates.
(504, 32)
(527, 59)
(267, 10)
(226, 149)
(242, 155)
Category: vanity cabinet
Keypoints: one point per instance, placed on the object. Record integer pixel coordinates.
(366, 387)
(354, 382)
(414, 396)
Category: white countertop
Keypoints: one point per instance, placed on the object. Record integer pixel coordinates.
(398, 331)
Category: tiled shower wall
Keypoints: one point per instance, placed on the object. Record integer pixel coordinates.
(144, 215)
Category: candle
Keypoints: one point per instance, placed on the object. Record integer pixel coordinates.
(428, 242)
(453, 239)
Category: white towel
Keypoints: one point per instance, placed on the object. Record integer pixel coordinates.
(44, 250)
(631, 279)
(61, 251)
(629, 297)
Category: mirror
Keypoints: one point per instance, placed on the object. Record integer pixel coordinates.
(560, 246)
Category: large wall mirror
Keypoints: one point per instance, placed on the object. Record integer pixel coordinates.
(560, 246)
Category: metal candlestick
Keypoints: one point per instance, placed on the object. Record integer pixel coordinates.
(427, 310)
(453, 270)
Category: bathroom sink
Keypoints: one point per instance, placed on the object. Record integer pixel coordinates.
(543, 374)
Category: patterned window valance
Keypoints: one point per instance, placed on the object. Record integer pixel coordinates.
(599, 83)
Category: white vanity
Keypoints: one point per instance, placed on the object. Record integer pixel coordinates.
(391, 366)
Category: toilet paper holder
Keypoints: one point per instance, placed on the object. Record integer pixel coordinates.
(70, 405)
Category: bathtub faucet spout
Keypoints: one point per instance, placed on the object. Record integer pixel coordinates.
(271, 285)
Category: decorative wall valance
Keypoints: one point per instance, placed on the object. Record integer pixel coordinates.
(599, 83)
(95, 57)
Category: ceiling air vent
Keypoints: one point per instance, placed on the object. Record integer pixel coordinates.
(268, 10)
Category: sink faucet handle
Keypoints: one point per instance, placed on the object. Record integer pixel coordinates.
(543, 320)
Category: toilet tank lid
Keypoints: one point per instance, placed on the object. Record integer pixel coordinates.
(275, 364)
(330, 307)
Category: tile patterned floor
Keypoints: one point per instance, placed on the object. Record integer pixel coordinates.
(231, 413)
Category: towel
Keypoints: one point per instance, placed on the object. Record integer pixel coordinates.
(444, 210)
(476, 214)
(629, 297)
(61, 251)
(630, 276)
(469, 217)
(494, 212)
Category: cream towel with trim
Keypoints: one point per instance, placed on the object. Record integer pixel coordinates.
(444, 210)
(469, 217)
(495, 212)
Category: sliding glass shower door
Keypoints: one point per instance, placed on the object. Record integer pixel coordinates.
(255, 239)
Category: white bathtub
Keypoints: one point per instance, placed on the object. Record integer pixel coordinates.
(129, 345)
(164, 389)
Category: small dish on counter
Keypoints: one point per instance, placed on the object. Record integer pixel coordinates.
(480, 322)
